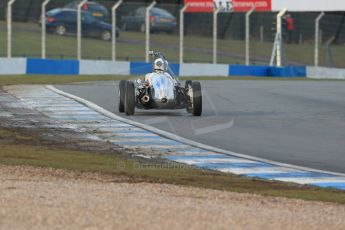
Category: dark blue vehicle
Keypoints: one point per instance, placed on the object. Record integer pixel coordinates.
(64, 21)
(160, 20)
(97, 10)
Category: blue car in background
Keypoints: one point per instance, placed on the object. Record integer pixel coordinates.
(64, 21)
(160, 21)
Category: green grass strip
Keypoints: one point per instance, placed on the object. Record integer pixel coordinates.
(68, 79)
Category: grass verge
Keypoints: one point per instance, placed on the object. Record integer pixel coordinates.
(66, 79)
(54, 79)
(15, 149)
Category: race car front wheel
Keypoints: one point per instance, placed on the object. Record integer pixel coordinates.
(197, 99)
(129, 98)
(194, 98)
(122, 86)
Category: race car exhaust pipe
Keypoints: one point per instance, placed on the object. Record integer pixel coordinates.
(145, 99)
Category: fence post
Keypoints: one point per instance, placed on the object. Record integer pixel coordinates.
(113, 31)
(43, 25)
(182, 31)
(279, 33)
(79, 23)
(215, 33)
(328, 52)
(9, 28)
(248, 34)
(317, 38)
(147, 31)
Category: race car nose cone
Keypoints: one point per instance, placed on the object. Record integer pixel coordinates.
(164, 100)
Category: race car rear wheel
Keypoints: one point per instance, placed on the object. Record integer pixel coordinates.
(122, 86)
(197, 99)
(129, 98)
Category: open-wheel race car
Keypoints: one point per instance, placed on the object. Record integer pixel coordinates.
(160, 89)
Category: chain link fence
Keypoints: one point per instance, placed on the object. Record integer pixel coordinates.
(198, 40)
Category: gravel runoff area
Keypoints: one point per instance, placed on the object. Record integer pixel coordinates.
(54, 199)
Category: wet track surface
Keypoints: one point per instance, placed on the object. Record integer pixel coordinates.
(296, 122)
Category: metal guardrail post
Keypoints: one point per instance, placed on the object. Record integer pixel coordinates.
(317, 38)
(279, 33)
(113, 34)
(147, 31)
(43, 29)
(9, 28)
(329, 56)
(248, 35)
(215, 33)
(79, 25)
(184, 8)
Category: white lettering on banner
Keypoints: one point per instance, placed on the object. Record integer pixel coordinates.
(201, 4)
(250, 4)
(246, 5)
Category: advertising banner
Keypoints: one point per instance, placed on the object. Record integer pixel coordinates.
(246, 5)
(199, 6)
(207, 6)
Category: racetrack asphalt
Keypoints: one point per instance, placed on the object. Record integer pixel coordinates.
(295, 122)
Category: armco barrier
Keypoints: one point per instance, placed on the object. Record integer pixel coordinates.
(140, 68)
(13, 66)
(17, 66)
(243, 70)
(197, 69)
(267, 71)
(93, 67)
(287, 71)
(58, 67)
(325, 73)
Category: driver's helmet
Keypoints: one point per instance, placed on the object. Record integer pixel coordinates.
(160, 65)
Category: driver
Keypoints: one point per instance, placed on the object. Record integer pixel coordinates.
(160, 66)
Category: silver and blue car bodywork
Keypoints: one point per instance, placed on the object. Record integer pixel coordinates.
(160, 90)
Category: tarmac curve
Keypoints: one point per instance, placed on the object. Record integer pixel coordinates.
(294, 122)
